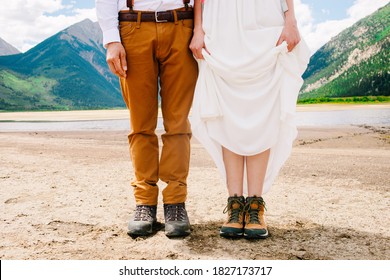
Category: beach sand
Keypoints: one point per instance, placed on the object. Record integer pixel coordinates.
(66, 195)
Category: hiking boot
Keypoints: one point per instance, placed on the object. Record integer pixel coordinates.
(176, 220)
(144, 221)
(255, 227)
(234, 226)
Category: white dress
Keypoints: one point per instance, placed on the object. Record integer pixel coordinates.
(247, 88)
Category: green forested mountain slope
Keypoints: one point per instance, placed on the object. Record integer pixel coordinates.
(66, 71)
(354, 63)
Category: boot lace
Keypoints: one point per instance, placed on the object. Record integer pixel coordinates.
(175, 212)
(234, 213)
(254, 213)
(143, 213)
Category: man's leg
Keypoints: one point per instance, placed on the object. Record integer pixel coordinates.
(140, 93)
(178, 74)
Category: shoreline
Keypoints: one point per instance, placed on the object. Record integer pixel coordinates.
(119, 114)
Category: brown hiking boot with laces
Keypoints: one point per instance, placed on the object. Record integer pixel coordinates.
(234, 226)
(255, 226)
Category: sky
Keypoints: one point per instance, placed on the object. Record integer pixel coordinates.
(25, 23)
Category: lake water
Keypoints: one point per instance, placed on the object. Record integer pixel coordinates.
(361, 116)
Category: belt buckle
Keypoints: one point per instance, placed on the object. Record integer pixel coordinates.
(156, 17)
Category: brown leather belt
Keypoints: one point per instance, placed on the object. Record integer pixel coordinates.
(167, 16)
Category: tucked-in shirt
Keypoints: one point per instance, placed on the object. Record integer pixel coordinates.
(107, 13)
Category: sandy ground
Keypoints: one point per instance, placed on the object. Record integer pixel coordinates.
(66, 195)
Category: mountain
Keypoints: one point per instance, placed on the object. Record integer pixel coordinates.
(7, 49)
(354, 63)
(66, 71)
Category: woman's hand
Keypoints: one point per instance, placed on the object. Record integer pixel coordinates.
(290, 33)
(197, 43)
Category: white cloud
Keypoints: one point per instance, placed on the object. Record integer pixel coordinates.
(304, 15)
(25, 23)
(316, 35)
(362, 8)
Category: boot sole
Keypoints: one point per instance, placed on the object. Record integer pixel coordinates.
(254, 235)
(178, 233)
(177, 229)
(231, 234)
(142, 232)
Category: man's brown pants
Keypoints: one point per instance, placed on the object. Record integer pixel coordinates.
(159, 53)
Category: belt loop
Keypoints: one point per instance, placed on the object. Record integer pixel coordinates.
(130, 4)
(138, 19)
(175, 16)
(185, 2)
